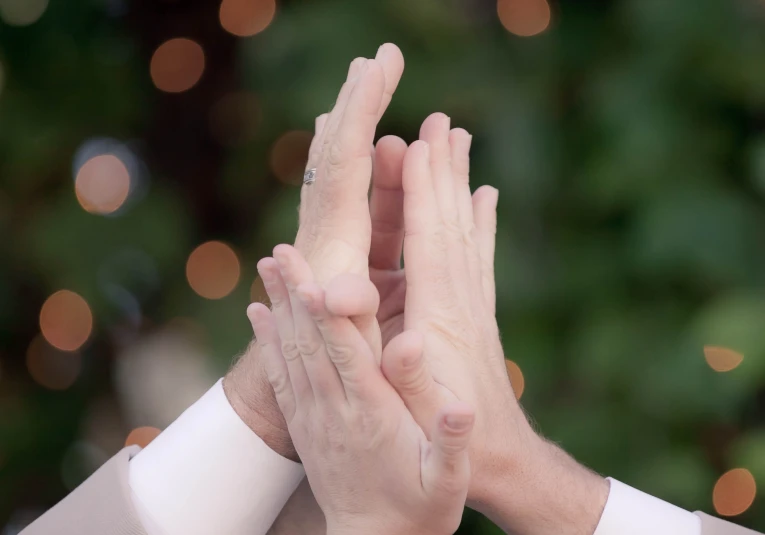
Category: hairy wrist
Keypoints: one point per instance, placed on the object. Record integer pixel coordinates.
(252, 398)
(550, 493)
(375, 528)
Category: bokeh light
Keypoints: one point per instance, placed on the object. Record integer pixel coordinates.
(22, 12)
(213, 270)
(289, 155)
(524, 17)
(516, 378)
(734, 492)
(66, 321)
(50, 367)
(234, 118)
(102, 184)
(722, 359)
(142, 436)
(258, 292)
(177, 65)
(245, 18)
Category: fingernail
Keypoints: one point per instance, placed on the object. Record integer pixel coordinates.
(381, 51)
(457, 422)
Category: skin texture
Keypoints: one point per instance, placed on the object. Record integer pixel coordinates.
(436, 318)
(442, 343)
(370, 465)
(336, 229)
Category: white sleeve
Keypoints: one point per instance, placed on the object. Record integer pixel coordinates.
(209, 473)
(631, 512)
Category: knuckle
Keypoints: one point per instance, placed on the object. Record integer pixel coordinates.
(280, 382)
(335, 156)
(307, 346)
(290, 350)
(342, 355)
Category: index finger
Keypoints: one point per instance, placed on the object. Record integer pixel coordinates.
(355, 363)
(392, 62)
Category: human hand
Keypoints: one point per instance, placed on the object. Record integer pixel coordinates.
(450, 347)
(335, 230)
(371, 468)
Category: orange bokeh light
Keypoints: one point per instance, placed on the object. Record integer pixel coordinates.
(734, 492)
(66, 321)
(258, 292)
(50, 367)
(245, 18)
(524, 17)
(177, 65)
(722, 359)
(142, 436)
(213, 270)
(516, 378)
(102, 184)
(289, 155)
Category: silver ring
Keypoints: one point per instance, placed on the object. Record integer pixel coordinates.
(310, 176)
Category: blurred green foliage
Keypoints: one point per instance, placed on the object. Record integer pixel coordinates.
(626, 142)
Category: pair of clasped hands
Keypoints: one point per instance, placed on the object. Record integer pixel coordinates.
(390, 382)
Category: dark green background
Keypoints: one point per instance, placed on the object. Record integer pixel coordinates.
(626, 142)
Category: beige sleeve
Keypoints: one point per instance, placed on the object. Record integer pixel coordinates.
(714, 526)
(102, 505)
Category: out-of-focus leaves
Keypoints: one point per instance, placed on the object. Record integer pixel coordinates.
(625, 140)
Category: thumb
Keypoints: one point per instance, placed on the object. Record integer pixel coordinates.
(404, 366)
(356, 297)
(447, 468)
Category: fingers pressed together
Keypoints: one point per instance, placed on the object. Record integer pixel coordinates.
(320, 351)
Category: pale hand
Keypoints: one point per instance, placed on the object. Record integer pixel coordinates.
(451, 350)
(371, 467)
(335, 231)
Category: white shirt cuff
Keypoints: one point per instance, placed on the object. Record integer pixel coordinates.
(209, 473)
(631, 512)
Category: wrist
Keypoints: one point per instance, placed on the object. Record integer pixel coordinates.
(252, 398)
(374, 528)
(547, 491)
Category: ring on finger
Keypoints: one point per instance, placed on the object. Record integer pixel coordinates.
(310, 176)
